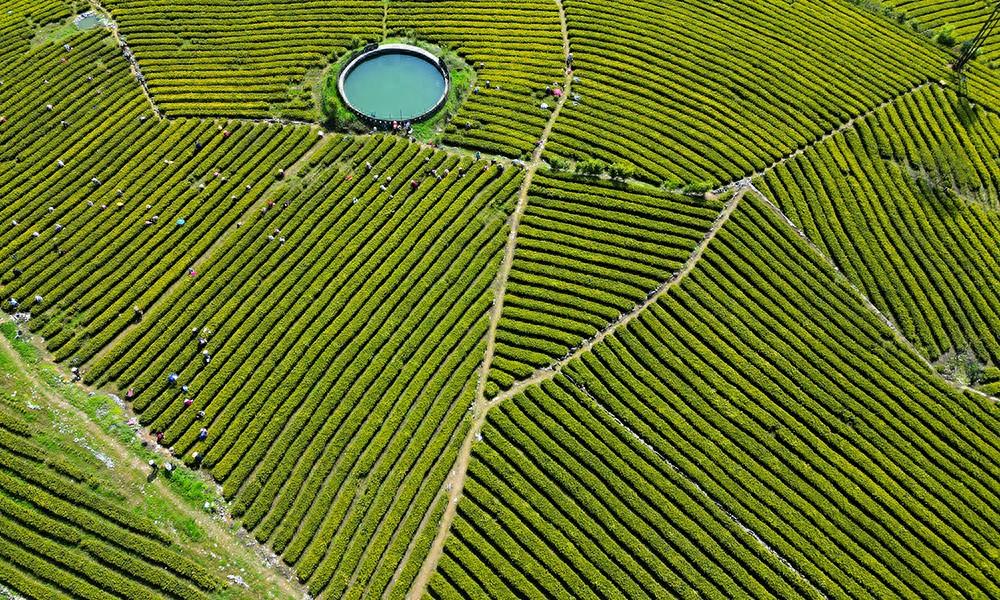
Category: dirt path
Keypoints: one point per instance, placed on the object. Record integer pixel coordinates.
(900, 338)
(849, 124)
(290, 173)
(742, 181)
(549, 372)
(482, 407)
(385, 19)
(339, 465)
(455, 482)
(121, 455)
(132, 469)
(96, 6)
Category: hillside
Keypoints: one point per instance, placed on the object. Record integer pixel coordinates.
(83, 515)
(757, 431)
(663, 299)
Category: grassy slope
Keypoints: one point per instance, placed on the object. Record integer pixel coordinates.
(66, 416)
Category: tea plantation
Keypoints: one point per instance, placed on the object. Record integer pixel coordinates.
(666, 299)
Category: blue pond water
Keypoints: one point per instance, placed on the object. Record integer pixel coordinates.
(394, 86)
(88, 21)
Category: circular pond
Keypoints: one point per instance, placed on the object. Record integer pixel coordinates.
(394, 82)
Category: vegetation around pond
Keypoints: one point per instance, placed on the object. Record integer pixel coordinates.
(462, 79)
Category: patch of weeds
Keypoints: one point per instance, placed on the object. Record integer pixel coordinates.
(190, 529)
(191, 488)
(961, 367)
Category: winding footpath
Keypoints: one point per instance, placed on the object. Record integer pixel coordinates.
(849, 124)
(549, 372)
(105, 14)
(455, 482)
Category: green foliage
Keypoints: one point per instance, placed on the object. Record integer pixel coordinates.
(945, 35)
(563, 290)
(190, 529)
(27, 22)
(192, 68)
(697, 187)
(916, 197)
(515, 48)
(966, 46)
(990, 380)
(757, 431)
(191, 488)
(729, 109)
(621, 171)
(405, 270)
(240, 61)
(591, 166)
(961, 367)
(948, 21)
(336, 115)
(70, 537)
(125, 261)
(559, 165)
(677, 441)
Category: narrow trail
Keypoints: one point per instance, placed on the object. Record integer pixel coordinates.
(141, 79)
(742, 181)
(385, 19)
(290, 173)
(700, 490)
(481, 408)
(455, 482)
(849, 124)
(337, 466)
(98, 8)
(130, 466)
(888, 322)
(551, 371)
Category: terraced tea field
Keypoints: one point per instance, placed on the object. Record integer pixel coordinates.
(668, 300)
(81, 516)
(958, 19)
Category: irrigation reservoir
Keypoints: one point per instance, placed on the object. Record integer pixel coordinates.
(394, 82)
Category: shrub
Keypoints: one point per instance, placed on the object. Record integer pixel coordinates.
(945, 35)
(591, 166)
(559, 164)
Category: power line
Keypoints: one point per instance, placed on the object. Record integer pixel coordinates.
(977, 42)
